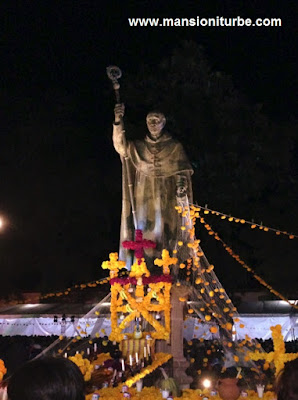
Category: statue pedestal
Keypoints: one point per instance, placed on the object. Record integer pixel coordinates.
(179, 367)
(180, 363)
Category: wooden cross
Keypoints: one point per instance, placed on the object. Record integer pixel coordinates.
(278, 356)
(113, 265)
(165, 261)
(139, 245)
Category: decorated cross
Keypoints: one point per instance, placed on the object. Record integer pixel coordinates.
(113, 265)
(165, 261)
(278, 356)
(139, 245)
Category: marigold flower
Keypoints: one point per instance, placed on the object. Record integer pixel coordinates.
(213, 329)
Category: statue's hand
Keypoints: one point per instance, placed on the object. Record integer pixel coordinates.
(181, 191)
(119, 112)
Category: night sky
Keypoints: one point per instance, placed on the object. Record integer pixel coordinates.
(60, 176)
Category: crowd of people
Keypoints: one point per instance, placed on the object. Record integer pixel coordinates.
(53, 378)
(49, 377)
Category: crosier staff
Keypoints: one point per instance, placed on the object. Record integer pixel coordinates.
(114, 73)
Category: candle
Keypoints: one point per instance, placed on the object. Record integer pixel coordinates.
(148, 348)
(239, 372)
(88, 351)
(145, 352)
(137, 358)
(65, 355)
(130, 360)
(95, 347)
(122, 364)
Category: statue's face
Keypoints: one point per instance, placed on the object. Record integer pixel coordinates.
(155, 123)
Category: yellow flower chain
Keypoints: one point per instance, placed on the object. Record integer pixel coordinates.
(160, 358)
(253, 225)
(214, 234)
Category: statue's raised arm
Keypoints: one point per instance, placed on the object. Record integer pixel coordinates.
(118, 131)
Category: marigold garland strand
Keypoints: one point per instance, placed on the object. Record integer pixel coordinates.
(211, 232)
(252, 224)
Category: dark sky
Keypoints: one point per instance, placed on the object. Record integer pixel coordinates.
(56, 106)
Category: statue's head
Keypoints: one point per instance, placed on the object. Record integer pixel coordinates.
(155, 123)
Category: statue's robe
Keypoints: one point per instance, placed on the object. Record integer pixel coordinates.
(156, 169)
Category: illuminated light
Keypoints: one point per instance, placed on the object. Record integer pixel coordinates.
(231, 219)
(223, 217)
(30, 305)
(206, 383)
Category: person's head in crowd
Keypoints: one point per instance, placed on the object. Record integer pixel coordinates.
(47, 379)
(287, 382)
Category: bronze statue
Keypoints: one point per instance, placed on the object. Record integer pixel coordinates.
(161, 178)
(156, 178)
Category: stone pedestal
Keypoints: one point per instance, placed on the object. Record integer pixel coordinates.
(180, 363)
